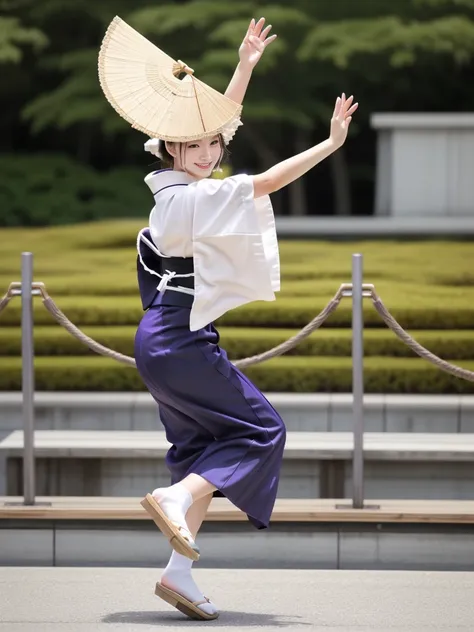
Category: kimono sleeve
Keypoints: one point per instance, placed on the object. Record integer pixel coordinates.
(235, 247)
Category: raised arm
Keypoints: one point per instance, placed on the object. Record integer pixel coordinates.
(293, 168)
(250, 52)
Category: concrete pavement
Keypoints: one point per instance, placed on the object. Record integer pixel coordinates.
(122, 600)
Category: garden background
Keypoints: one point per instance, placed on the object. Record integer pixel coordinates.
(66, 158)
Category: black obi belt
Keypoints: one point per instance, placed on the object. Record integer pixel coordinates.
(154, 269)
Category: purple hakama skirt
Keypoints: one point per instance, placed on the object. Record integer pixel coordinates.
(219, 424)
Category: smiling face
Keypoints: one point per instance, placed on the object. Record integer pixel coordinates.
(198, 157)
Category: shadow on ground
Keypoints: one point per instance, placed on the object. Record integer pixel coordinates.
(241, 619)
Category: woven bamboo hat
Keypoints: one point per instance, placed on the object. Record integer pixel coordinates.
(142, 84)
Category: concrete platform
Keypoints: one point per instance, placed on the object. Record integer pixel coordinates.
(378, 446)
(124, 463)
(315, 412)
(312, 534)
(371, 227)
(122, 600)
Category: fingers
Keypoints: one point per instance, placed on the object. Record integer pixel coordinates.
(269, 40)
(351, 110)
(344, 106)
(265, 32)
(250, 28)
(258, 27)
(256, 30)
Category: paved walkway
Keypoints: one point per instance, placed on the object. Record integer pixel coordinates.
(122, 600)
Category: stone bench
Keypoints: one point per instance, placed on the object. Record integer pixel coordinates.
(316, 465)
(310, 412)
(378, 446)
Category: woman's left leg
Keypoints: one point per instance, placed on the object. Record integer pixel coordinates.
(177, 575)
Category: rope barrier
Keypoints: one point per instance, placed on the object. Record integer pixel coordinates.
(295, 340)
(313, 325)
(7, 298)
(416, 347)
(54, 310)
(4, 302)
(61, 318)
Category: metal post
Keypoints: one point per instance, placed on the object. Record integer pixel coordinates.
(358, 381)
(28, 385)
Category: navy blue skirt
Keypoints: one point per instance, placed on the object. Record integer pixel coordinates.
(220, 425)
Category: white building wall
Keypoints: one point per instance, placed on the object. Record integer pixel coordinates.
(425, 165)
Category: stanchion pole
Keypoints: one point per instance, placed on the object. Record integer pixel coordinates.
(28, 383)
(358, 381)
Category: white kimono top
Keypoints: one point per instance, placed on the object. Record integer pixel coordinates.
(230, 235)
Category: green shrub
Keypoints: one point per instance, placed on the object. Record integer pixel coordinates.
(284, 312)
(81, 311)
(287, 374)
(94, 273)
(381, 375)
(444, 264)
(297, 313)
(47, 189)
(245, 342)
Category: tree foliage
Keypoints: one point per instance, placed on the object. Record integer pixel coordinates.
(50, 189)
(314, 47)
(15, 36)
(78, 99)
(404, 55)
(402, 43)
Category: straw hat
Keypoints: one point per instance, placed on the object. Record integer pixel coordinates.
(141, 83)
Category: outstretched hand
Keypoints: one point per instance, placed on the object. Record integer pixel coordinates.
(254, 43)
(341, 119)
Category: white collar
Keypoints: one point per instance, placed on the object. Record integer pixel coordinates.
(159, 180)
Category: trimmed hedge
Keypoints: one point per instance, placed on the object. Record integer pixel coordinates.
(242, 342)
(297, 313)
(104, 282)
(287, 374)
(381, 375)
(284, 312)
(444, 263)
(89, 270)
(90, 249)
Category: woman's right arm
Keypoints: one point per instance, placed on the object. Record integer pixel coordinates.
(289, 170)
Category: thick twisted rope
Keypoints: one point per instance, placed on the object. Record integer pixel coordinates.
(271, 353)
(14, 289)
(417, 348)
(5, 300)
(296, 339)
(61, 318)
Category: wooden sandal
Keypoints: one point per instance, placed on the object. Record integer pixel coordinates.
(189, 608)
(180, 538)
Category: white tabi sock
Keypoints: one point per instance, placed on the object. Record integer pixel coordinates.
(175, 502)
(177, 577)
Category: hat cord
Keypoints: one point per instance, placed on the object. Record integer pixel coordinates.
(197, 101)
(180, 67)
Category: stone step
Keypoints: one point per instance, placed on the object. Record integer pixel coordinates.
(316, 465)
(318, 412)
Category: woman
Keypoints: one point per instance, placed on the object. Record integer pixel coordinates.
(211, 246)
